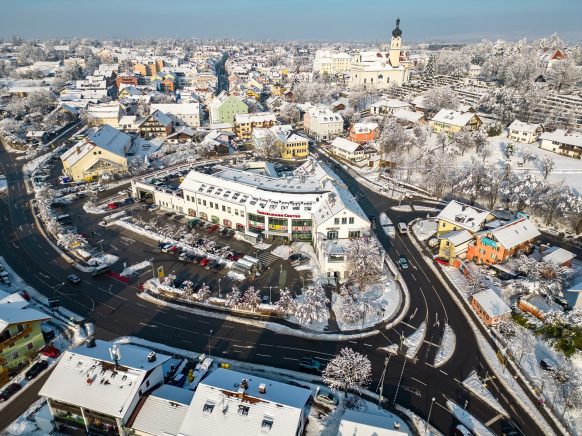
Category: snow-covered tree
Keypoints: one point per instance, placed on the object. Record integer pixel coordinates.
(204, 292)
(348, 371)
(474, 284)
(251, 299)
(364, 258)
(564, 75)
(393, 138)
(451, 62)
(464, 140)
(290, 114)
(313, 306)
(546, 165)
(233, 298)
(472, 180)
(286, 302)
(268, 146)
(442, 97)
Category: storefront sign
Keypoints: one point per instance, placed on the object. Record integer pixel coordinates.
(281, 215)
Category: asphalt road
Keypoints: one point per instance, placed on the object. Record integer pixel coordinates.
(117, 311)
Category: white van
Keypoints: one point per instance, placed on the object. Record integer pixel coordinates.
(402, 228)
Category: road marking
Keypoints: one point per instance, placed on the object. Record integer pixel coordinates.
(263, 355)
(412, 275)
(368, 345)
(114, 247)
(408, 325)
(352, 342)
(148, 325)
(443, 372)
(181, 316)
(244, 346)
(143, 305)
(431, 343)
(290, 358)
(446, 408)
(416, 380)
(493, 420)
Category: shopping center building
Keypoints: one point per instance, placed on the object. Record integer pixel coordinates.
(309, 204)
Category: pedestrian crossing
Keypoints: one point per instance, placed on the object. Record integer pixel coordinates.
(267, 258)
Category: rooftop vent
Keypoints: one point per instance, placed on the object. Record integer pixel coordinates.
(152, 356)
(262, 388)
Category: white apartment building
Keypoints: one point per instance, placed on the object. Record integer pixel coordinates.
(181, 114)
(348, 150)
(331, 63)
(310, 205)
(322, 123)
(527, 133)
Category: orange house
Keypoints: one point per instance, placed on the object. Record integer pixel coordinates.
(168, 85)
(489, 306)
(497, 245)
(126, 79)
(364, 132)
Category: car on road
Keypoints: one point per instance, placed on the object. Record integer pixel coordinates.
(9, 391)
(326, 397)
(308, 364)
(402, 228)
(168, 248)
(403, 262)
(36, 369)
(50, 351)
(210, 264)
(73, 278)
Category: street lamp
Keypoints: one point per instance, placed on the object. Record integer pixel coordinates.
(209, 336)
(429, 412)
(101, 244)
(219, 291)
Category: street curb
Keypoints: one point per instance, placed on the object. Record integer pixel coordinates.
(462, 304)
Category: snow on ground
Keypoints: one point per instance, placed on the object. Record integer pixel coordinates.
(424, 229)
(133, 269)
(23, 426)
(93, 209)
(3, 183)
(316, 326)
(313, 264)
(447, 347)
(31, 166)
(282, 251)
(239, 277)
(105, 259)
(414, 341)
(474, 384)
(403, 208)
(426, 209)
(420, 425)
(385, 296)
(468, 420)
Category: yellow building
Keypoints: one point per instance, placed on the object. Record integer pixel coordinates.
(20, 337)
(450, 122)
(290, 144)
(454, 245)
(245, 123)
(101, 153)
(460, 216)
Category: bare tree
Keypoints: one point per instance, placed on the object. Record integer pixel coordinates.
(546, 165)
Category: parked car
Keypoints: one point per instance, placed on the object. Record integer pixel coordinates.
(50, 351)
(36, 369)
(25, 295)
(213, 228)
(326, 397)
(154, 207)
(9, 391)
(204, 261)
(128, 200)
(112, 205)
(308, 364)
(168, 248)
(73, 278)
(210, 264)
(403, 262)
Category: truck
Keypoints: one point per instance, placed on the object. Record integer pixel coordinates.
(387, 225)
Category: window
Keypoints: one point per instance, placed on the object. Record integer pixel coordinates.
(223, 208)
(351, 220)
(267, 424)
(336, 221)
(243, 410)
(19, 327)
(344, 220)
(208, 408)
(211, 204)
(354, 234)
(204, 202)
(332, 235)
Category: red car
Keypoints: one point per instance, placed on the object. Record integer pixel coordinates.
(25, 295)
(112, 205)
(213, 228)
(50, 351)
(204, 261)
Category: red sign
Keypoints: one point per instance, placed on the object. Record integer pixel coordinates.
(282, 215)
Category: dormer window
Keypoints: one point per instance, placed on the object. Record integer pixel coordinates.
(267, 424)
(243, 410)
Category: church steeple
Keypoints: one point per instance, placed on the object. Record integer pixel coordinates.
(397, 33)
(395, 45)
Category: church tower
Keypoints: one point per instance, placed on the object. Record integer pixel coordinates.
(396, 45)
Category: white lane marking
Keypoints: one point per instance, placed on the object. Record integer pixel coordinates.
(417, 380)
(290, 358)
(263, 355)
(412, 275)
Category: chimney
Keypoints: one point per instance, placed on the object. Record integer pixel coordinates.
(78, 149)
(244, 385)
(152, 356)
(91, 343)
(262, 388)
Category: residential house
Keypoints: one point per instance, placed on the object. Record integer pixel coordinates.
(459, 216)
(364, 132)
(100, 153)
(20, 336)
(223, 108)
(245, 123)
(96, 387)
(387, 106)
(497, 245)
(528, 133)
(565, 142)
(322, 123)
(231, 402)
(291, 144)
(356, 423)
(574, 296)
(125, 79)
(408, 117)
(181, 114)
(449, 121)
(351, 151)
(454, 245)
(156, 125)
(101, 114)
(558, 256)
(490, 307)
(538, 305)
(181, 135)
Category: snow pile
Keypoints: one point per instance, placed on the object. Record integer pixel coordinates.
(22, 426)
(468, 420)
(282, 251)
(133, 269)
(447, 347)
(404, 208)
(313, 265)
(105, 259)
(414, 341)
(473, 384)
(420, 425)
(93, 209)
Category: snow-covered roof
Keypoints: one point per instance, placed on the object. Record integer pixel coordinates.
(259, 117)
(463, 215)
(324, 114)
(176, 108)
(15, 300)
(345, 145)
(491, 303)
(557, 255)
(87, 377)
(182, 130)
(524, 127)
(13, 314)
(408, 115)
(364, 127)
(455, 118)
(515, 233)
(222, 406)
(367, 424)
(160, 117)
(107, 137)
(564, 137)
(163, 411)
(458, 237)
